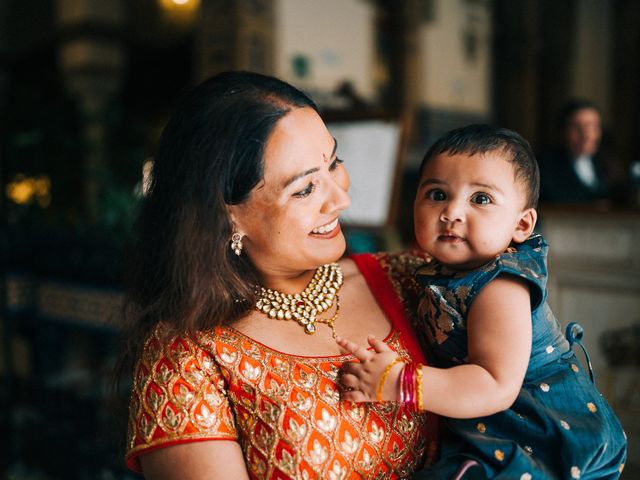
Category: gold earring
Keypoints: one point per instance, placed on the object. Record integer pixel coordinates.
(236, 243)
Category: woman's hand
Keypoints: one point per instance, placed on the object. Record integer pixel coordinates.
(361, 380)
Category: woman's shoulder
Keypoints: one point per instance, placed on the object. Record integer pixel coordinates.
(165, 340)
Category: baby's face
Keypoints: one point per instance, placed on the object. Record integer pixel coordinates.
(469, 208)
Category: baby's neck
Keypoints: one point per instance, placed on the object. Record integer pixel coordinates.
(476, 263)
(466, 267)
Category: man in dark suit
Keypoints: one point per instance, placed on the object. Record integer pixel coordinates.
(575, 172)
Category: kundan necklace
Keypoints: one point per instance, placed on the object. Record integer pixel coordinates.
(304, 307)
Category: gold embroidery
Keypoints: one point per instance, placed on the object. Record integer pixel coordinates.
(349, 444)
(171, 419)
(146, 426)
(297, 431)
(405, 425)
(154, 400)
(264, 439)
(333, 372)
(376, 434)
(330, 395)
(287, 463)
(184, 395)
(301, 402)
(250, 372)
(367, 461)
(337, 472)
(318, 453)
(328, 422)
(357, 412)
(194, 378)
(257, 465)
(307, 380)
(228, 357)
(164, 374)
(206, 417)
(287, 412)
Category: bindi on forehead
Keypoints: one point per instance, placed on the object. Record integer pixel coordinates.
(333, 152)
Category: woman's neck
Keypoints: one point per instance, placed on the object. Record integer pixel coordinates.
(288, 283)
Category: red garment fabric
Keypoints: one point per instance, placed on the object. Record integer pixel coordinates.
(284, 410)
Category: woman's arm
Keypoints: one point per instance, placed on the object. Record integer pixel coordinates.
(499, 346)
(207, 460)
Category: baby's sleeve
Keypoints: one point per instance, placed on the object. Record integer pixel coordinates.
(528, 261)
(178, 396)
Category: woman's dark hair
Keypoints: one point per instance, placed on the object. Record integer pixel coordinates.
(210, 155)
(481, 138)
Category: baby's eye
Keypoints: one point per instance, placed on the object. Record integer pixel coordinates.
(335, 164)
(308, 190)
(481, 199)
(437, 195)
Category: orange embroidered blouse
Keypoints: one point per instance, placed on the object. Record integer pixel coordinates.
(285, 410)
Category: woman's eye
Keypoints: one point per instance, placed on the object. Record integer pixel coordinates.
(437, 195)
(308, 190)
(335, 164)
(481, 199)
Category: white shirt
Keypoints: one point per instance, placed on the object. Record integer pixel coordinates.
(583, 165)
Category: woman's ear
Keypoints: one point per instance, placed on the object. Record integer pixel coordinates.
(526, 224)
(234, 215)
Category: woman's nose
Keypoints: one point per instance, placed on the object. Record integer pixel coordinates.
(338, 196)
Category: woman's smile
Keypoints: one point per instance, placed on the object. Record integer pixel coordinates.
(326, 229)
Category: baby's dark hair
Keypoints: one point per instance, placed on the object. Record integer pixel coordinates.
(480, 138)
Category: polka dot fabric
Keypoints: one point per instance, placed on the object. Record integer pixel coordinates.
(560, 426)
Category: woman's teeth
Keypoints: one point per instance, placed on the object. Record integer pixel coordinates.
(326, 228)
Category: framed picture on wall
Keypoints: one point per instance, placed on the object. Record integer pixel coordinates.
(373, 150)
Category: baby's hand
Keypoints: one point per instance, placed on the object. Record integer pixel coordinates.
(360, 380)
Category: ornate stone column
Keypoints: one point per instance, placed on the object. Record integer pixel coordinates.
(91, 61)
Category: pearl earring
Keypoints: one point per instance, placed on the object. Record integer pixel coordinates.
(236, 243)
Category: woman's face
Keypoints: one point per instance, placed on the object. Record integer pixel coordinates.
(290, 221)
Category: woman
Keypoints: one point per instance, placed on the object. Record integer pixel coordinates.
(237, 300)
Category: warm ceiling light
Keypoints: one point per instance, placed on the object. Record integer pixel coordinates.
(177, 5)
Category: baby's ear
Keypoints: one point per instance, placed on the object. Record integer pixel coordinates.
(526, 224)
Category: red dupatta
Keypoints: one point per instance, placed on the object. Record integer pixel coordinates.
(382, 289)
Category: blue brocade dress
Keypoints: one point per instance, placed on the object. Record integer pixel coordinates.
(560, 426)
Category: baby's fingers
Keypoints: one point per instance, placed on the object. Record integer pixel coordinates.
(352, 389)
(354, 396)
(354, 349)
(378, 345)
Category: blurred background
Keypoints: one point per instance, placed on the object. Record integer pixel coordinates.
(86, 86)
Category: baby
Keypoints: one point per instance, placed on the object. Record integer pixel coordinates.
(516, 401)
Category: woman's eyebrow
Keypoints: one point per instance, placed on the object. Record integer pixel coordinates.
(335, 147)
(300, 175)
(311, 170)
